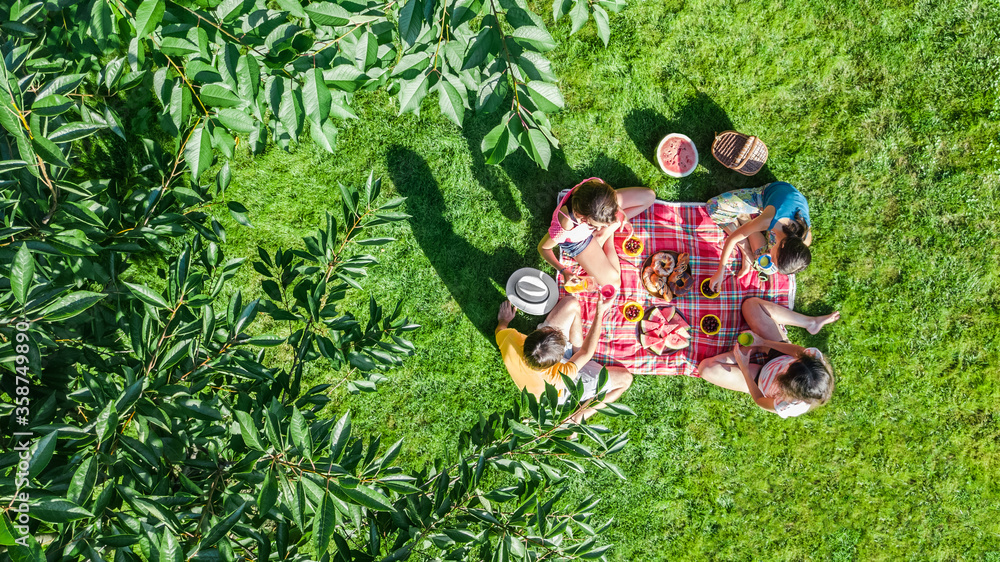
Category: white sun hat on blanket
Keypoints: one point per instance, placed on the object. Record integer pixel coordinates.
(532, 291)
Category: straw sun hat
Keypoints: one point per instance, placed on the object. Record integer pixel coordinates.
(532, 291)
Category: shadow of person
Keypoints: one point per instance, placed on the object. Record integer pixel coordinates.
(700, 118)
(468, 272)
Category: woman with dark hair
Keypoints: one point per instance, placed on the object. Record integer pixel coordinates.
(583, 227)
(776, 210)
(796, 381)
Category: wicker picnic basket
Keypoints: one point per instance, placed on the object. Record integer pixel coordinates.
(739, 152)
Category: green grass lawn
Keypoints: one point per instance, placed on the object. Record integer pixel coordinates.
(886, 115)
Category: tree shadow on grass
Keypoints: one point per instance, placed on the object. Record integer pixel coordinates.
(700, 119)
(467, 271)
(536, 187)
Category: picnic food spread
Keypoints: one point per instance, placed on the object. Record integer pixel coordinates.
(664, 328)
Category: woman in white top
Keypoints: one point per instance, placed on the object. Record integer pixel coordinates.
(790, 385)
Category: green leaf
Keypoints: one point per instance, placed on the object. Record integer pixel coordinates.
(498, 143)
(49, 152)
(537, 146)
(198, 151)
(603, 25)
(100, 22)
(316, 97)
(323, 524)
(559, 8)
(219, 96)
(521, 430)
(239, 212)
(325, 136)
(369, 497)
(340, 436)
(267, 340)
(450, 102)
(298, 432)
(68, 306)
(534, 38)
(574, 448)
(58, 510)
(82, 485)
(147, 295)
(53, 105)
(328, 13)
(345, 77)
(412, 92)
(235, 120)
(248, 430)
(410, 22)
(22, 274)
(293, 7)
(545, 95)
(175, 354)
(75, 131)
(487, 43)
(492, 92)
(223, 528)
(106, 423)
(578, 15)
(148, 16)
(170, 549)
(42, 454)
(268, 495)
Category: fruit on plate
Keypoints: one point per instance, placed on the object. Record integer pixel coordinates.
(632, 311)
(710, 324)
(632, 246)
(674, 341)
(663, 314)
(677, 155)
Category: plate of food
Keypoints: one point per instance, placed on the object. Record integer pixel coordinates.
(663, 330)
(666, 274)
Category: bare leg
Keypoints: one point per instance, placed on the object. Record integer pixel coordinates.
(634, 200)
(766, 319)
(722, 370)
(566, 317)
(606, 239)
(619, 380)
(598, 264)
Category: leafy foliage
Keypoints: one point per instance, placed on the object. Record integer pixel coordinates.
(170, 430)
(221, 69)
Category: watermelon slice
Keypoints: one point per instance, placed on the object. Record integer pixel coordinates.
(658, 346)
(682, 332)
(646, 341)
(656, 316)
(674, 341)
(662, 330)
(677, 320)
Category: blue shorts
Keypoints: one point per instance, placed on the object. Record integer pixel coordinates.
(573, 249)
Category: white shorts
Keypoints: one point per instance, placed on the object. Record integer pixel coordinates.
(589, 375)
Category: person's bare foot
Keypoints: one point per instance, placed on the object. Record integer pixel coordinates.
(819, 321)
(745, 268)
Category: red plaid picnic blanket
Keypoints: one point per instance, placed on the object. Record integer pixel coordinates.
(679, 227)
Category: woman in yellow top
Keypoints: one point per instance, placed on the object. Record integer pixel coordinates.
(539, 357)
